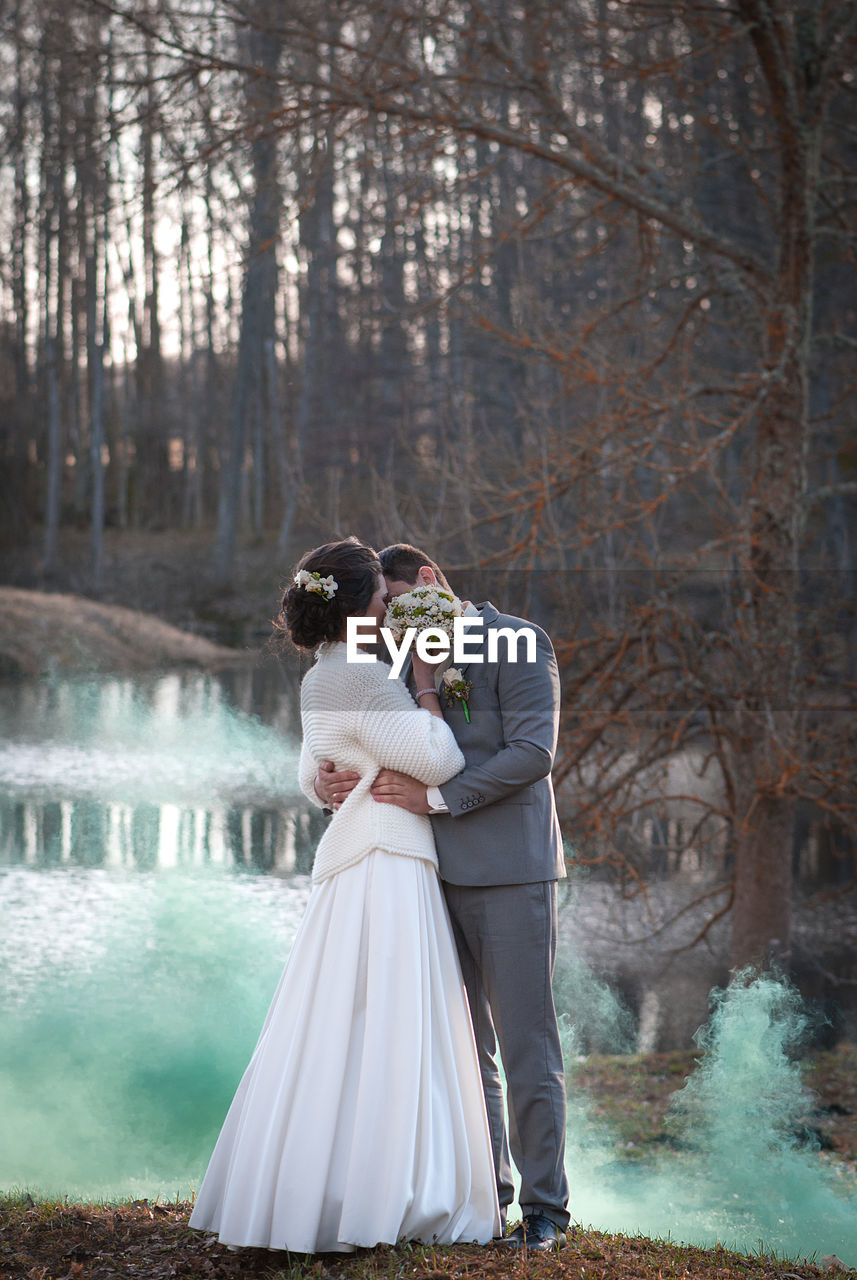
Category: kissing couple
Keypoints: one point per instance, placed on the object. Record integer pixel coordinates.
(372, 1109)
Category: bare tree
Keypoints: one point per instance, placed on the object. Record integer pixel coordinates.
(569, 281)
(754, 275)
(260, 282)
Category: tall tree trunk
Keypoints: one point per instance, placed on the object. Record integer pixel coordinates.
(128, 435)
(92, 197)
(316, 404)
(54, 451)
(52, 223)
(769, 751)
(20, 292)
(208, 432)
(189, 356)
(152, 462)
(260, 283)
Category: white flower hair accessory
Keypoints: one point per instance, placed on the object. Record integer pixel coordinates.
(326, 587)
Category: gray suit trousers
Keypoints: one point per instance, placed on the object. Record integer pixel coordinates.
(506, 940)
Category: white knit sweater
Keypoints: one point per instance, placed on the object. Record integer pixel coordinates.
(356, 716)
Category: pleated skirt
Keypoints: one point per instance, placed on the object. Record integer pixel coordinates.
(360, 1119)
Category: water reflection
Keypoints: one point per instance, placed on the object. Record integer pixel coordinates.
(87, 833)
(191, 772)
(179, 771)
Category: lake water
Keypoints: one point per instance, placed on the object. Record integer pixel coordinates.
(154, 864)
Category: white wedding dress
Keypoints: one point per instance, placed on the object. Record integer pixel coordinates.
(360, 1118)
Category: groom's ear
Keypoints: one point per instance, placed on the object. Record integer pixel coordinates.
(426, 576)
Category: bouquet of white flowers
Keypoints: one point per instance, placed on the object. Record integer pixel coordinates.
(425, 608)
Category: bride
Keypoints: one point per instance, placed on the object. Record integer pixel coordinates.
(360, 1119)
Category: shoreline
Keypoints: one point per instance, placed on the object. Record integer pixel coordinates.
(44, 633)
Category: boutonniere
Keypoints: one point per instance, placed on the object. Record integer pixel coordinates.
(457, 689)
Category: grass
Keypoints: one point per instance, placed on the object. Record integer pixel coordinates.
(43, 1239)
(55, 1240)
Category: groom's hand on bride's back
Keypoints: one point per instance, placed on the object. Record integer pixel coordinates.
(333, 785)
(401, 789)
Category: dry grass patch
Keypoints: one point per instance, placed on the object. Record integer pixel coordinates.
(53, 1240)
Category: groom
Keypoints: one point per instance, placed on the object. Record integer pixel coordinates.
(500, 855)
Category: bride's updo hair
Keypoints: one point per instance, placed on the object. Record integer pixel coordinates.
(310, 618)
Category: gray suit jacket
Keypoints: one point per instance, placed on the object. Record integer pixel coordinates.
(502, 826)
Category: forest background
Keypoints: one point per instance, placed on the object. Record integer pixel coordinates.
(562, 290)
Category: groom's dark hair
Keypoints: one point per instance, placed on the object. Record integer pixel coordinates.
(404, 562)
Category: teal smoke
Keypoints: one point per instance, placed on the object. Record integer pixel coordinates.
(592, 1017)
(120, 1052)
(121, 1048)
(131, 1002)
(174, 740)
(742, 1174)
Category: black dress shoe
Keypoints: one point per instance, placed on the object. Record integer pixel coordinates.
(536, 1232)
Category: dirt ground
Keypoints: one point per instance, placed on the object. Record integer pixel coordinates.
(55, 1240)
(157, 604)
(167, 574)
(42, 633)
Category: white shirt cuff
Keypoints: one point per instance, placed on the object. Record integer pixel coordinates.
(436, 801)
